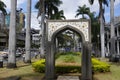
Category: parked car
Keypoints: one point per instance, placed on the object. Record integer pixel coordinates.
(18, 54)
(4, 54)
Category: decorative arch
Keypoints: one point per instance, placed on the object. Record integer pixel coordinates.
(82, 27)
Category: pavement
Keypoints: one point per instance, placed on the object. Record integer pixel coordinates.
(68, 78)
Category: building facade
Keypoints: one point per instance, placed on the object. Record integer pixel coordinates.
(116, 37)
(4, 29)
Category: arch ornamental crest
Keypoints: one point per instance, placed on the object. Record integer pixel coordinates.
(81, 25)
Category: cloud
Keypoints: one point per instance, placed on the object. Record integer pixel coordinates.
(70, 7)
(34, 21)
(117, 2)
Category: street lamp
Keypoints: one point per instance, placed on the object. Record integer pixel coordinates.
(98, 40)
(98, 36)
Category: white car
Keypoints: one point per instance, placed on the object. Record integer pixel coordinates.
(4, 54)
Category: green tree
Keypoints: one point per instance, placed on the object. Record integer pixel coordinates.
(95, 28)
(58, 15)
(82, 11)
(2, 7)
(94, 22)
(63, 38)
(50, 7)
(46, 7)
(101, 18)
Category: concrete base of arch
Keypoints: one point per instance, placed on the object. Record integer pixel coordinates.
(86, 62)
(50, 62)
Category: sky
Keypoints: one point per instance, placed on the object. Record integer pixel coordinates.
(69, 7)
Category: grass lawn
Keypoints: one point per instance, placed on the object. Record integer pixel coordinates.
(113, 75)
(60, 60)
(24, 71)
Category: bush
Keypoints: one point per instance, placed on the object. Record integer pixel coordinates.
(67, 69)
(99, 66)
(39, 66)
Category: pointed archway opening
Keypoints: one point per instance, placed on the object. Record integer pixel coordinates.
(53, 29)
(67, 40)
(68, 49)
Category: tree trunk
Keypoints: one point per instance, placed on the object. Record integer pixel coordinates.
(102, 31)
(112, 18)
(42, 46)
(28, 34)
(112, 48)
(12, 36)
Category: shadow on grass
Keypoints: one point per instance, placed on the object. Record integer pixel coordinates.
(25, 76)
(37, 76)
(11, 78)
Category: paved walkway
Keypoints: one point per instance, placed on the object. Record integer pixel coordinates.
(68, 78)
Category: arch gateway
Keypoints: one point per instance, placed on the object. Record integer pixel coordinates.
(83, 28)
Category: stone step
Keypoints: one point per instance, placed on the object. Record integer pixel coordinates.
(68, 78)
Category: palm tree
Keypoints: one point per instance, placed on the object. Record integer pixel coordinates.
(46, 7)
(40, 5)
(2, 7)
(59, 15)
(28, 33)
(95, 31)
(101, 18)
(82, 11)
(94, 22)
(50, 7)
(12, 36)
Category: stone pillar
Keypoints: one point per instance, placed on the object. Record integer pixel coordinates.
(50, 61)
(86, 62)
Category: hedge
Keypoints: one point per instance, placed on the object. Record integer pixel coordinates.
(97, 66)
(39, 66)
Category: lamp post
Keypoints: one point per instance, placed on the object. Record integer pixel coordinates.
(98, 36)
